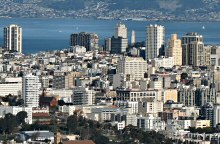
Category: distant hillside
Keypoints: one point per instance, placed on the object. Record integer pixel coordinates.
(171, 5)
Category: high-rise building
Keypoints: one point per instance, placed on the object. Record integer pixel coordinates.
(121, 31)
(174, 49)
(31, 90)
(132, 37)
(136, 67)
(13, 38)
(88, 40)
(194, 53)
(119, 42)
(118, 45)
(155, 41)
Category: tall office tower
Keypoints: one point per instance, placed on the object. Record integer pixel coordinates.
(119, 42)
(13, 38)
(194, 53)
(155, 41)
(31, 90)
(133, 67)
(121, 31)
(118, 45)
(88, 40)
(174, 49)
(132, 37)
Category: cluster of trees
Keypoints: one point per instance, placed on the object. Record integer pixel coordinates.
(93, 130)
(207, 130)
(13, 100)
(11, 122)
(87, 129)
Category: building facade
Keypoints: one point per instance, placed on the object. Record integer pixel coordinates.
(174, 49)
(13, 38)
(155, 41)
(31, 90)
(88, 40)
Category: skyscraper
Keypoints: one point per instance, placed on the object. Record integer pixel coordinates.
(155, 41)
(119, 42)
(194, 53)
(174, 49)
(121, 31)
(132, 37)
(88, 40)
(13, 38)
(30, 90)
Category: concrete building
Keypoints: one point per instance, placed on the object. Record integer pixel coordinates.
(150, 106)
(13, 38)
(82, 96)
(14, 110)
(194, 53)
(13, 87)
(137, 95)
(134, 66)
(174, 49)
(31, 90)
(215, 55)
(88, 40)
(216, 115)
(118, 45)
(163, 62)
(77, 49)
(121, 31)
(150, 123)
(133, 39)
(155, 41)
(200, 123)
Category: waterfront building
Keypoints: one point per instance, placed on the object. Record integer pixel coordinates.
(13, 38)
(88, 40)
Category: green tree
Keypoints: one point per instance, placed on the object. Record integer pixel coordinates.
(20, 117)
(72, 123)
(11, 122)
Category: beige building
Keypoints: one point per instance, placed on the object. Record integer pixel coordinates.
(134, 66)
(200, 123)
(169, 94)
(174, 49)
(194, 52)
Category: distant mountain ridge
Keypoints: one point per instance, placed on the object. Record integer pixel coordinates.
(183, 10)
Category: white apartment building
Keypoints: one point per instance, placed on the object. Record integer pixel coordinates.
(137, 95)
(154, 41)
(150, 106)
(82, 96)
(121, 31)
(31, 90)
(13, 38)
(131, 119)
(14, 110)
(11, 86)
(69, 109)
(150, 123)
(163, 62)
(77, 49)
(133, 67)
